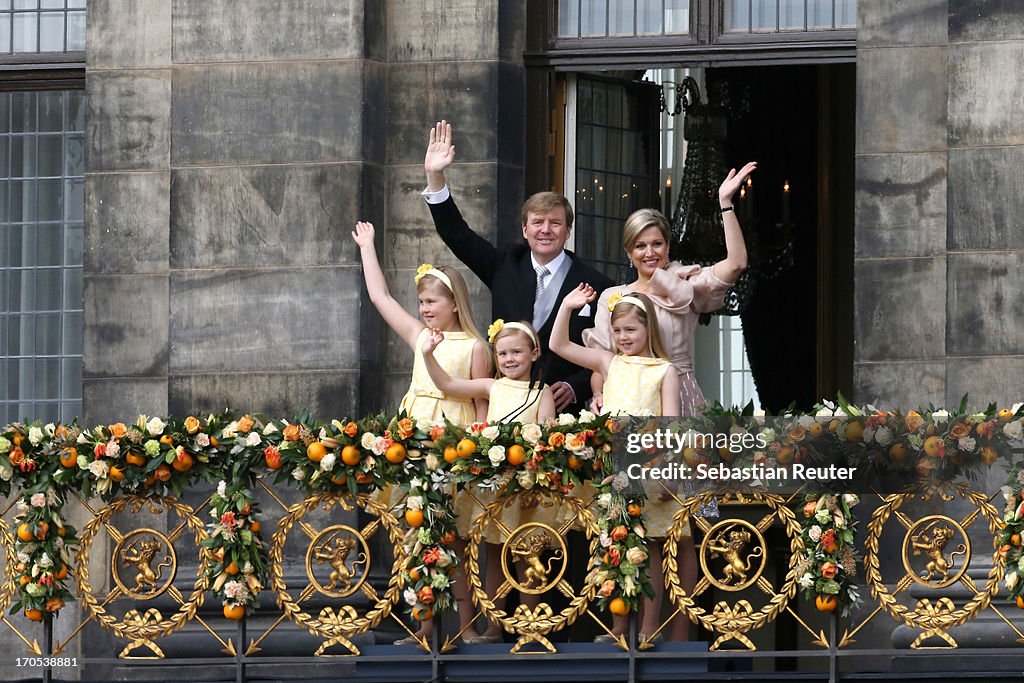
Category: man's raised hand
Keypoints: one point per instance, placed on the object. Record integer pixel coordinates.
(440, 150)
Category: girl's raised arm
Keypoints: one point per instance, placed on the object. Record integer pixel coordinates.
(546, 410)
(559, 342)
(405, 325)
(481, 369)
(451, 386)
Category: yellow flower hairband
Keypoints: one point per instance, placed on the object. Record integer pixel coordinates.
(617, 298)
(499, 324)
(428, 269)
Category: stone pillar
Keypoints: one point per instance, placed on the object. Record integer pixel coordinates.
(938, 211)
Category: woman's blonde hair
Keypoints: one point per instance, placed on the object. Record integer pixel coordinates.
(459, 293)
(639, 221)
(647, 318)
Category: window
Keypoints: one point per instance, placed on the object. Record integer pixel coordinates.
(28, 26)
(42, 168)
(599, 18)
(774, 16)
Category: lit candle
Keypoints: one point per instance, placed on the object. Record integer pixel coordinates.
(785, 202)
(750, 199)
(668, 198)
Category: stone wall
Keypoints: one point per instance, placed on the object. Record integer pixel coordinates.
(939, 209)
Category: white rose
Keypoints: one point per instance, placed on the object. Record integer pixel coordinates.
(566, 419)
(805, 421)
(525, 479)
(966, 444)
(6, 472)
(940, 416)
(1011, 580)
(38, 500)
(414, 502)
(99, 468)
(202, 440)
(253, 439)
(759, 416)
(328, 462)
(768, 435)
(155, 426)
(21, 506)
(807, 580)
(270, 428)
(444, 560)
(431, 461)
(298, 474)
(496, 455)
(230, 431)
(1014, 430)
(379, 445)
(851, 499)
(814, 533)
(532, 433)
(635, 555)
(410, 597)
(883, 436)
(490, 433)
(605, 500)
(35, 435)
(222, 488)
(112, 449)
(824, 412)
(587, 416)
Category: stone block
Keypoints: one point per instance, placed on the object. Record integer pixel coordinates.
(249, 320)
(324, 394)
(410, 238)
(460, 93)
(462, 30)
(512, 31)
(375, 31)
(900, 205)
(120, 399)
(125, 326)
(511, 97)
(889, 23)
(268, 215)
(127, 221)
(127, 34)
(127, 121)
(985, 20)
(373, 201)
(899, 385)
(392, 388)
(984, 97)
(899, 309)
(509, 220)
(986, 205)
(267, 30)
(375, 112)
(986, 380)
(901, 99)
(267, 112)
(985, 306)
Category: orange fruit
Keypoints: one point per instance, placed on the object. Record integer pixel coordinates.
(18, 438)
(364, 478)
(466, 448)
(826, 603)
(316, 451)
(414, 575)
(395, 453)
(618, 607)
(421, 613)
(25, 533)
(691, 457)
(25, 578)
(785, 455)
(234, 612)
(339, 479)
(989, 455)
(816, 429)
(163, 473)
(135, 459)
(726, 455)
(897, 452)
(255, 526)
(574, 463)
(34, 614)
(1020, 601)
(350, 455)
(167, 439)
(61, 573)
(450, 454)
(182, 463)
(634, 509)
(1015, 539)
(516, 455)
(149, 481)
(42, 528)
(932, 445)
(414, 518)
(116, 474)
(69, 458)
(214, 442)
(1005, 415)
(231, 569)
(854, 431)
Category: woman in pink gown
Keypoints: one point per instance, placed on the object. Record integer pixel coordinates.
(680, 294)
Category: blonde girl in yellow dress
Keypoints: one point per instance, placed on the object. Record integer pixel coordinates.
(515, 395)
(444, 309)
(639, 380)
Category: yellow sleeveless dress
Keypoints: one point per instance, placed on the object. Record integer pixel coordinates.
(633, 387)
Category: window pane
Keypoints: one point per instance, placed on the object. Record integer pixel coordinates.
(47, 334)
(677, 16)
(621, 16)
(49, 289)
(74, 199)
(51, 154)
(764, 16)
(594, 18)
(51, 112)
(568, 17)
(72, 338)
(76, 31)
(50, 200)
(648, 16)
(74, 244)
(51, 32)
(26, 4)
(5, 33)
(49, 245)
(23, 113)
(819, 14)
(791, 14)
(71, 377)
(74, 156)
(23, 156)
(25, 27)
(73, 288)
(846, 13)
(51, 4)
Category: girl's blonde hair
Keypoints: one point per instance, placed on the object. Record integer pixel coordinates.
(647, 318)
(508, 331)
(459, 293)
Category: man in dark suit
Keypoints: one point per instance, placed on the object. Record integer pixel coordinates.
(527, 281)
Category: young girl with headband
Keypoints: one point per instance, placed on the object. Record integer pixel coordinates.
(515, 395)
(639, 380)
(445, 311)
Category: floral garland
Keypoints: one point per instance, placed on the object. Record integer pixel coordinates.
(1008, 537)
(828, 568)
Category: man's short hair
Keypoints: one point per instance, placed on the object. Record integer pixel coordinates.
(543, 202)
